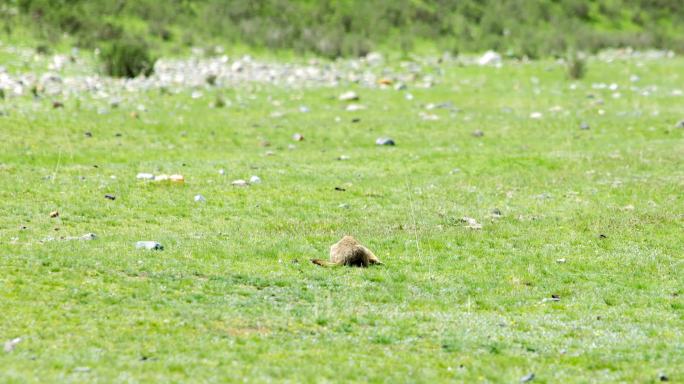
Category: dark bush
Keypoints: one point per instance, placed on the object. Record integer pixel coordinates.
(127, 57)
(576, 66)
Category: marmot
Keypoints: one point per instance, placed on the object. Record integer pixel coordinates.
(349, 252)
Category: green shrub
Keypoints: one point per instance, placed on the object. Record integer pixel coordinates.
(576, 66)
(127, 57)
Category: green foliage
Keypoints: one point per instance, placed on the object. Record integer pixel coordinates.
(532, 28)
(127, 57)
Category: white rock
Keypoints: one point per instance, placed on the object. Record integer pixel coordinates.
(536, 115)
(490, 58)
(151, 245)
(255, 180)
(200, 199)
(355, 107)
(144, 176)
(239, 183)
(11, 344)
(349, 96)
(471, 223)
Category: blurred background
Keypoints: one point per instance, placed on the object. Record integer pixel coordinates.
(131, 33)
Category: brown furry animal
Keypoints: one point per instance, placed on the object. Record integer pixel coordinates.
(348, 252)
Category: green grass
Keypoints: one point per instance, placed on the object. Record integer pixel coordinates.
(233, 294)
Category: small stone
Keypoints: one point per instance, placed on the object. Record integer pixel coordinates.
(110, 197)
(200, 199)
(349, 96)
(177, 179)
(536, 115)
(144, 176)
(221, 172)
(343, 158)
(384, 141)
(584, 126)
(496, 213)
(560, 261)
(239, 183)
(680, 124)
(304, 109)
(527, 378)
(343, 206)
(297, 137)
(150, 245)
(471, 223)
(490, 58)
(355, 107)
(54, 214)
(478, 133)
(11, 344)
(255, 180)
(88, 237)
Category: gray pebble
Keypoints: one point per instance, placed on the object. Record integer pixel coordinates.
(384, 141)
(152, 245)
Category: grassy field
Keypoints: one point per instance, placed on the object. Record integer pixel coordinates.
(594, 217)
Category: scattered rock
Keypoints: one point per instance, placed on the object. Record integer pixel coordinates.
(349, 96)
(478, 133)
(560, 261)
(11, 344)
(343, 206)
(471, 223)
(343, 158)
(239, 183)
(680, 124)
(54, 214)
(110, 197)
(297, 137)
(584, 126)
(200, 199)
(527, 378)
(254, 180)
(150, 245)
(536, 115)
(384, 141)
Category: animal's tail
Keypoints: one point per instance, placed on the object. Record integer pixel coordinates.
(324, 263)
